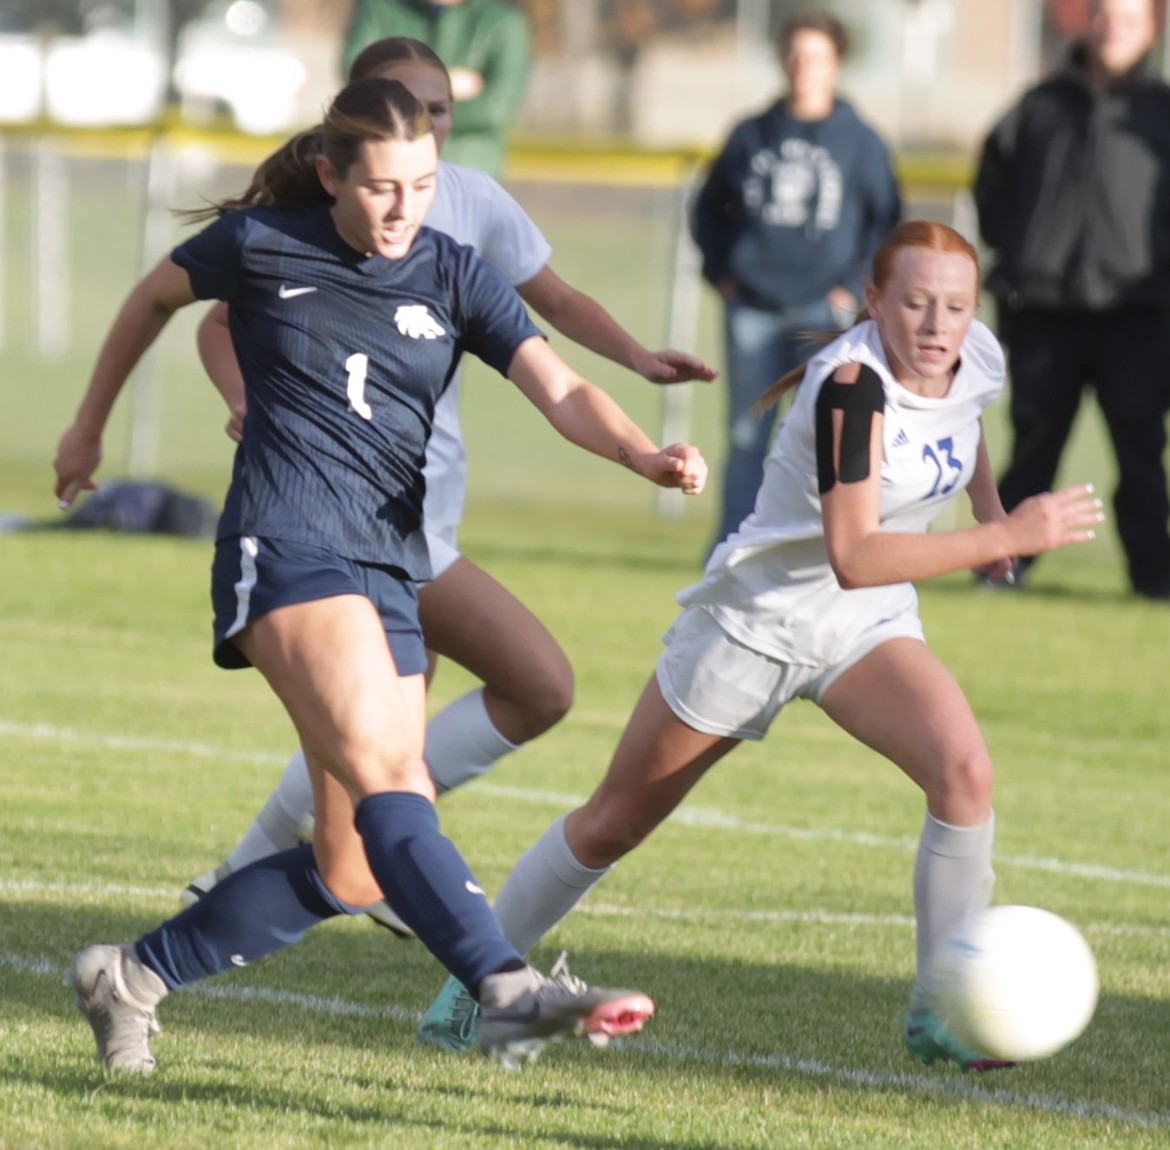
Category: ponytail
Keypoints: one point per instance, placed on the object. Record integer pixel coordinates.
(790, 379)
(288, 177)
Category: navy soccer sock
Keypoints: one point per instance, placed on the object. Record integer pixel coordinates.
(253, 912)
(430, 887)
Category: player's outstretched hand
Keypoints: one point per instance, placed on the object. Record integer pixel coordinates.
(1056, 519)
(672, 366)
(78, 456)
(679, 465)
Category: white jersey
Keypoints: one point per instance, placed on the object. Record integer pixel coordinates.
(473, 209)
(770, 584)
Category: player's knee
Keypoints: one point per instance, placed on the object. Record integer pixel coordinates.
(552, 700)
(542, 701)
(965, 783)
(389, 765)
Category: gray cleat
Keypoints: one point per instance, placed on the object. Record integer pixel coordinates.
(522, 1011)
(117, 994)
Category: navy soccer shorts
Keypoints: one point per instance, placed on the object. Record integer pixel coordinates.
(252, 576)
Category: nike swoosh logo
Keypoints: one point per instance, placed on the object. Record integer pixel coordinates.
(472, 888)
(289, 292)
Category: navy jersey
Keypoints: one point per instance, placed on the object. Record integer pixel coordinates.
(344, 357)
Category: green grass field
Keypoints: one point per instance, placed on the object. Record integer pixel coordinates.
(770, 918)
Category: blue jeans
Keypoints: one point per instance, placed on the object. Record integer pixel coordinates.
(761, 345)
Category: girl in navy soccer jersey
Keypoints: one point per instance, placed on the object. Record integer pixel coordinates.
(348, 318)
(465, 614)
(813, 598)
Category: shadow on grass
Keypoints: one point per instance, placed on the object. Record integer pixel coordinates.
(396, 1119)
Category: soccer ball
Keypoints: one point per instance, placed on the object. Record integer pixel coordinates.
(1016, 983)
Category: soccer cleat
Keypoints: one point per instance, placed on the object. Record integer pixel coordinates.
(452, 1020)
(117, 994)
(198, 887)
(929, 1040)
(522, 1011)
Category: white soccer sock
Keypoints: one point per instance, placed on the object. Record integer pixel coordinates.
(545, 884)
(279, 823)
(463, 743)
(953, 879)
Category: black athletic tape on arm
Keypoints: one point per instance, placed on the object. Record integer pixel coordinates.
(858, 403)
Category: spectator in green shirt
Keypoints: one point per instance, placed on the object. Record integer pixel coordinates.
(487, 46)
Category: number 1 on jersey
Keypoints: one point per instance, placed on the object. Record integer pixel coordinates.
(355, 388)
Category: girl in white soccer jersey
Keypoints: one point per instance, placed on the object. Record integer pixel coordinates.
(465, 614)
(813, 598)
(348, 317)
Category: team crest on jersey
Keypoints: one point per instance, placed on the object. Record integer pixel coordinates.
(415, 321)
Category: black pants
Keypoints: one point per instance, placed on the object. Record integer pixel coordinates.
(1125, 356)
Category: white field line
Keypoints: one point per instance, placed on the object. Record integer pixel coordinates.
(44, 732)
(697, 817)
(99, 893)
(311, 1002)
(966, 1089)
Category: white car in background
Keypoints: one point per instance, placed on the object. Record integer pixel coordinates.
(21, 77)
(232, 57)
(115, 72)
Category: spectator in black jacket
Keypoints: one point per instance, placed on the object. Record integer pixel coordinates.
(1073, 194)
(788, 220)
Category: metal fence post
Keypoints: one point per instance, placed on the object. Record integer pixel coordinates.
(682, 320)
(146, 405)
(50, 247)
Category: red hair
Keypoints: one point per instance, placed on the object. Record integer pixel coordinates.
(928, 234)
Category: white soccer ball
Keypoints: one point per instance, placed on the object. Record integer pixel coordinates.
(1016, 983)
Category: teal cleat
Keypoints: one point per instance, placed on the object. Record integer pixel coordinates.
(928, 1039)
(452, 1020)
